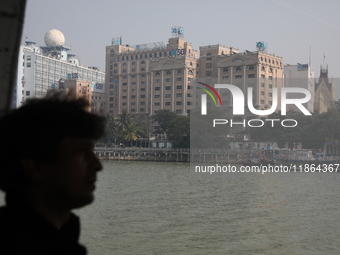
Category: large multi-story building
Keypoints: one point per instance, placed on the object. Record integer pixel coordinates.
(143, 79)
(300, 76)
(256, 69)
(41, 68)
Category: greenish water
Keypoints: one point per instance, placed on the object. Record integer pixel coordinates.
(164, 208)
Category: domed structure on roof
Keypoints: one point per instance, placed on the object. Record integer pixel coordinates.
(54, 38)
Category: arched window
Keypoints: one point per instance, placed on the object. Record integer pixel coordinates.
(133, 63)
(190, 72)
(251, 67)
(124, 64)
(158, 73)
(238, 68)
(209, 54)
(168, 72)
(143, 62)
(225, 69)
(179, 71)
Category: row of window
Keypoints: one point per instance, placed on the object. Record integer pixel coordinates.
(143, 56)
(159, 96)
(112, 86)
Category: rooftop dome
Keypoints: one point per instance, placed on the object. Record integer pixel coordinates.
(54, 38)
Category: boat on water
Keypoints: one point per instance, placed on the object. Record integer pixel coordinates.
(260, 157)
(296, 159)
(302, 157)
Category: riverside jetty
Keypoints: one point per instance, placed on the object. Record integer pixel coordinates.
(167, 154)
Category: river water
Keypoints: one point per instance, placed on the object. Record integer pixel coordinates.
(164, 208)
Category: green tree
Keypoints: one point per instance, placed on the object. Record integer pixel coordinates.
(165, 119)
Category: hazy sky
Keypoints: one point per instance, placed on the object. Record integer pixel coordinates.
(290, 27)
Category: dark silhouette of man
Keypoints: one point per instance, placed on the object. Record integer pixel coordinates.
(47, 168)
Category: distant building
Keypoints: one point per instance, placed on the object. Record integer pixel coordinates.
(324, 92)
(300, 76)
(41, 68)
(142, 79)
(94, 93)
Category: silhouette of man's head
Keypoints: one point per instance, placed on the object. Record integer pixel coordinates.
(46, 147)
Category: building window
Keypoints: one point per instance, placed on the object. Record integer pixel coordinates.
(28, 93)
(111, 99)
(179, 87)
(225, 77)
(179, 79)
(262, 101)
(157, 103)
(270, 85)
(124, 83)
(142, 69)
(123, 97)
(270, 94)
(167, 95)
(133, 96)
(142, 89)
(142, 103)
(190, 87)
(251, 75)
(178, 111)
(225, 70)
(28, 64)
(238, 76)
(208, 58)
(178, 94)
(168, 72)
(189, 95)
(262, 93)
(251, 67)
(142, 96)
(167, 103)
(179, 71)
(157, 96)
(167, 80)
(178, 102)
(157, 88)
(167, 87)
(263, 76)
(208, 65)
(208, 73)
(270, 78)
(157, 80)
(158, 73)
(238, 68)
(189, 103)
(142, 109)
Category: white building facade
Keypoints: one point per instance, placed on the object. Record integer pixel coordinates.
(41, 68)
